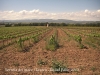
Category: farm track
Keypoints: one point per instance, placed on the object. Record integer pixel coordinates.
(68, 53)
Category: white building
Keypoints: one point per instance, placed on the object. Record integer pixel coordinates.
(47, 25)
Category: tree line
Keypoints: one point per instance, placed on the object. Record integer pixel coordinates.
(53, 24)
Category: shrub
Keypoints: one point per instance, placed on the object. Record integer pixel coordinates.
(58, 67)
(20, 43)
(16, 64)
(93, 69)
(41, 62)
(79, 40)
(35, 38)
(52, 44)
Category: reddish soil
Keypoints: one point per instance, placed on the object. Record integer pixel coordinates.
(85, 61)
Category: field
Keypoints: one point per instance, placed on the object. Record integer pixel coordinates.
(40, 50)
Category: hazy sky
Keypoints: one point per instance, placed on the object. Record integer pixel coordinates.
(52, 9)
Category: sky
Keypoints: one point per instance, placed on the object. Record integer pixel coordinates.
(84, 10)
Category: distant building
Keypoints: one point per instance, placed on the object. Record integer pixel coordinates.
(47, 25)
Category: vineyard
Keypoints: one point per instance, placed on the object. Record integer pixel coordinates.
(40, 50)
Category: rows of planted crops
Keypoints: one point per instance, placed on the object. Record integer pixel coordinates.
(11, 35)
(88, 36)
(83, 35)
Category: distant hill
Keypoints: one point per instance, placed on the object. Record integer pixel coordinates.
(47, 20)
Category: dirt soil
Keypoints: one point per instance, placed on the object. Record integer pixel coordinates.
(80, 61)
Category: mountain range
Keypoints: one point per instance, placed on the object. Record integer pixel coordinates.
(47, 20)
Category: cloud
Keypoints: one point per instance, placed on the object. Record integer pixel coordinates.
(86, 10)
(86, 15)
(98, 10)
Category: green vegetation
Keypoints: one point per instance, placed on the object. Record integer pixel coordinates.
(93, 69)
(41, 62)
(20, 43)
(23, 37)
(93, 41)
(8, 25)
(79, 40)
(16, 64)
(59, 67)
(18, 35)
(8, 36)
(96, 24)
(35, 38)
(52, 43)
